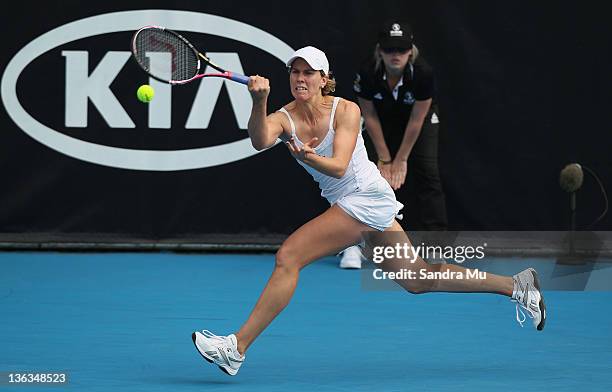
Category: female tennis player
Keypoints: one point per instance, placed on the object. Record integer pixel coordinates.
(322, 133)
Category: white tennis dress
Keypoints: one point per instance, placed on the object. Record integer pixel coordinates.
(362, 192)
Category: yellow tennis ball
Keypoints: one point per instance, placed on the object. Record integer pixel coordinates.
(145, 93)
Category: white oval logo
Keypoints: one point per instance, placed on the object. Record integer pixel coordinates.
(125, 158)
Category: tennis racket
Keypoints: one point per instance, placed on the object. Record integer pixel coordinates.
(177, 60)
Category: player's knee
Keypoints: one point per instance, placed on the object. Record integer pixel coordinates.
(285, 259)
(426, 284)
(422, 285)
(418, 287)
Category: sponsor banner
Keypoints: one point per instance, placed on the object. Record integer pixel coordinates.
(99, 166)
(82, 86)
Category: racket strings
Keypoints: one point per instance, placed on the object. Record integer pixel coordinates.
(183, 59)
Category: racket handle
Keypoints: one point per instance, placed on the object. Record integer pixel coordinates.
(236, 77)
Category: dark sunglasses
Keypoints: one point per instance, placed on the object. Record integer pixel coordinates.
(395, 50)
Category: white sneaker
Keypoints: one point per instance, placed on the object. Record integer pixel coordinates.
(528, 296)
(351, 258)
(220, 350)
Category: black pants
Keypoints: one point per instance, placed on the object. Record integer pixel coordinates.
(421, 194)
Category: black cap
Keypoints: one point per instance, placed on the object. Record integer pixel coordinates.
(395, 34)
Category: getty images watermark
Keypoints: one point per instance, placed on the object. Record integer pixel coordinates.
(408, 253)
(565, 260)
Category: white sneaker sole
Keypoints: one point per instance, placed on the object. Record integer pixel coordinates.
(542, 305)
(226, 369)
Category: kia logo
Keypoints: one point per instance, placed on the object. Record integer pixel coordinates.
(79, 91)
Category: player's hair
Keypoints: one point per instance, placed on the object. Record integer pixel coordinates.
(330, 86)
(378, 59)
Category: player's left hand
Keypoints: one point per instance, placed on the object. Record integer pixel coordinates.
(399, 169)
(300, 153)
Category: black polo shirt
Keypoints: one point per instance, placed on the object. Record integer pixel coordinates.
(418, 85)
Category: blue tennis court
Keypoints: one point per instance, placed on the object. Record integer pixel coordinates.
(123, 322)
